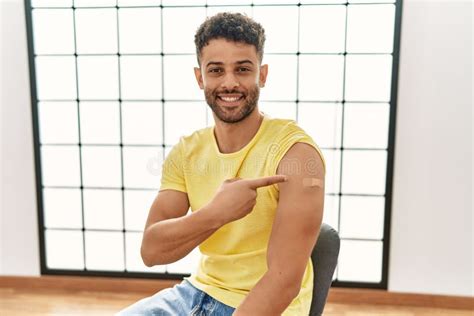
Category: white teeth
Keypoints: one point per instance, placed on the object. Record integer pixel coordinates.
(230, 99)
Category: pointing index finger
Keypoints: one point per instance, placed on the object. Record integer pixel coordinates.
(266, 181)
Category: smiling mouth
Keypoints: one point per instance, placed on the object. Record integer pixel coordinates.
(230, 101)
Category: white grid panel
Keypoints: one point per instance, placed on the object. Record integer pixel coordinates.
(114, 78)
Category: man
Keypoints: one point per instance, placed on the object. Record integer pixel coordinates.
(255, 185)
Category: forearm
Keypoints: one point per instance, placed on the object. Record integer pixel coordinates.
(170, 240)
(269, 297)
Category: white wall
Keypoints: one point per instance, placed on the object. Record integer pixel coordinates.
(19, 249)
(432, 247)
(431, 241)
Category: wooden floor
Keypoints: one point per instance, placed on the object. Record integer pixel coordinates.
(19, 302)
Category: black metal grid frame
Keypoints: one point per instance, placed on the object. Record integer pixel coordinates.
(390, 149)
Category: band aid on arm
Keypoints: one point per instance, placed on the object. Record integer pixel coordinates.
(312, 182)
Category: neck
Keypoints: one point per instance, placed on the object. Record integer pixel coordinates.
(232, 137)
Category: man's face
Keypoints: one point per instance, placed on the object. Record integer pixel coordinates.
(231, 76)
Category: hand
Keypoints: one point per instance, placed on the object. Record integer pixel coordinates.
(236, 197)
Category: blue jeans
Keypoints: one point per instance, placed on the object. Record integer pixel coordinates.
(182, 299)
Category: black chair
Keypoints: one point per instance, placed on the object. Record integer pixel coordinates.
(324, 259)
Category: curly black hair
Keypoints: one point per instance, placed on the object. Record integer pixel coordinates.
(231, 26)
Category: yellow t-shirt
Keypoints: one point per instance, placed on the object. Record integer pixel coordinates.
(234, 258)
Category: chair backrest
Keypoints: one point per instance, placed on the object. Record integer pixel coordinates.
(324, 258)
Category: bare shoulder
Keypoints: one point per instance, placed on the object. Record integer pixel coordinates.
(302, 160)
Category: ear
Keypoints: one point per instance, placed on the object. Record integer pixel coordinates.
(198, 74)
(263, 75)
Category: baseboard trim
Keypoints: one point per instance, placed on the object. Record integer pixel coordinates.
(151, 286)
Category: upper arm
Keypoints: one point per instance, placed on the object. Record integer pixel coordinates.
(172, 200)
(167, 204)
(299, 213)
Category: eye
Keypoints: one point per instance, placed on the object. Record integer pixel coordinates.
(215, 70)
(243, 69)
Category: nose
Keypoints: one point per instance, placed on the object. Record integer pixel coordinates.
(229, 81)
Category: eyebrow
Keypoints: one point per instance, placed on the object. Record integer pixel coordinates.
(240, 62)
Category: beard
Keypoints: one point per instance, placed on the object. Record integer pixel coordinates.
(250, 102)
